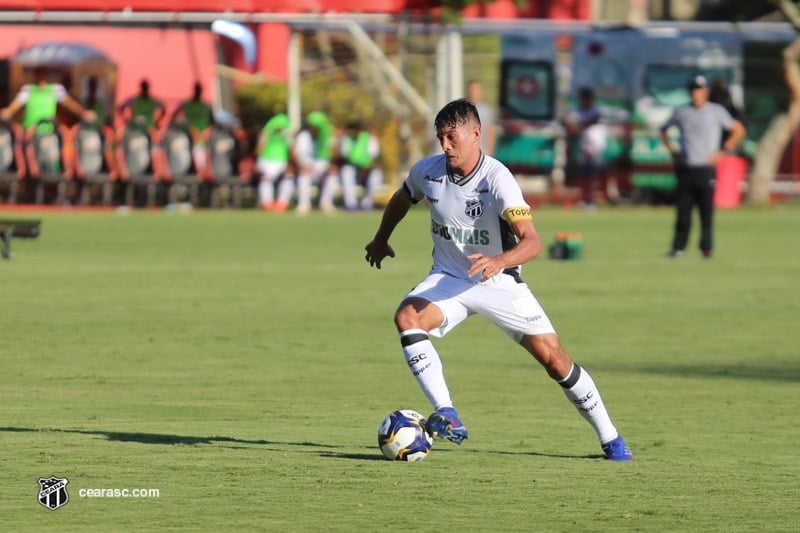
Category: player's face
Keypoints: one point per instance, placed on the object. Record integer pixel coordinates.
(460, 144)
(700, 96)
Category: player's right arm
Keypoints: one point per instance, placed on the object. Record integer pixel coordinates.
(125, 105)
(8, 112)
(262, 139)
(378, 248)
(665, 140)
(18, 103)
(571, 123)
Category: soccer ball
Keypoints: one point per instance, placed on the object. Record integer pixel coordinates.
(402, 436)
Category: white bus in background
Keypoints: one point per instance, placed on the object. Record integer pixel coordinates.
(529, 135)
(639, 76)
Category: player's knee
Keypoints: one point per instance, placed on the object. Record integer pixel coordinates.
(406, 317)
(415, 313)
(547, 350)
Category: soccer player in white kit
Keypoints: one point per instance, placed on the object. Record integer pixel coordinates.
(482, 232)
(312, 161)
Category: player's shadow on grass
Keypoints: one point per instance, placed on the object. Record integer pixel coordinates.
(168, 439)
(188, 440)
(376, 456)
(591, 456)
(762, 371)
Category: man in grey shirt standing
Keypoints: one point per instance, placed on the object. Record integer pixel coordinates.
(701, 126)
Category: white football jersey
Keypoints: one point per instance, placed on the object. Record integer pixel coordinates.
(467, 216)
(24, 94)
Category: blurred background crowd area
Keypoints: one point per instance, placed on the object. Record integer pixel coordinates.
(389, 66)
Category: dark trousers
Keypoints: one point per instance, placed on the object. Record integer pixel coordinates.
(591, 172)
(695, 187)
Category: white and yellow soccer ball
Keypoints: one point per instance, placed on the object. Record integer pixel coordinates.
(402, 436)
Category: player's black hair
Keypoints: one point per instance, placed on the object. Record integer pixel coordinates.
(456, 113)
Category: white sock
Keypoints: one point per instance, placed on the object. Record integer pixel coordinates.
(374, 182)
(582, 392)
(349, 196)
(286, 189)
(304, 191)
(326, 197)
(266, 191)
(199, 156)
(425, 364)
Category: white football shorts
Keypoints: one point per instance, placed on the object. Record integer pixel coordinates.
(319, 169)
(511, 306)
(271, 170)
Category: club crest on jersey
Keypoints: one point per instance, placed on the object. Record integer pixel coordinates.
(474, 208)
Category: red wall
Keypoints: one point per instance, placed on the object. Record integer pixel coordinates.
(538, 9)
(251, 6)
(556, 9)
(171, 59)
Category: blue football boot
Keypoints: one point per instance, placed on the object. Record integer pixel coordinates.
(617, 450)
(445, 424)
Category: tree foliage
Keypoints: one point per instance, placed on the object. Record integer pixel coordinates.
(735, 10)
(452, 9)
(783, 125)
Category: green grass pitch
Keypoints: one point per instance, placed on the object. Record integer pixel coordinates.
(240, 363)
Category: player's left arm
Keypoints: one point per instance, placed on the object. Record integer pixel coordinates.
(179, 112)
(87, 115)
(212, 120)
(736, 133)
(529, 245)
(160, 114)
